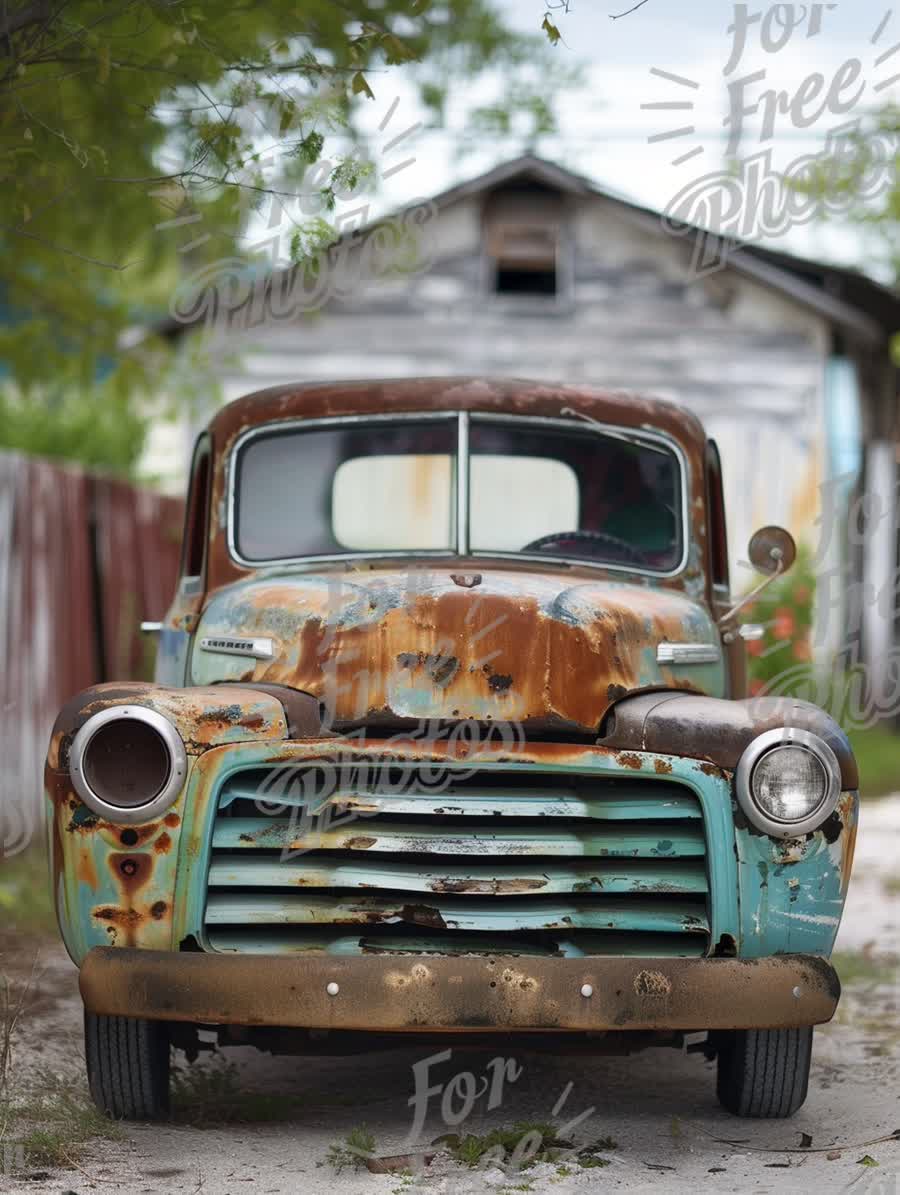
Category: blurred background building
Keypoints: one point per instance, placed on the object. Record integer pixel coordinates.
(531, 270)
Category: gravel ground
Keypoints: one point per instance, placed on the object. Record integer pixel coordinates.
(658, 1107)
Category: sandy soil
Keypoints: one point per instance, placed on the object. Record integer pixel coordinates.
(659, 1107)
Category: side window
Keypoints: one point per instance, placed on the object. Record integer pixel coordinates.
(196, 523)
(718, 536)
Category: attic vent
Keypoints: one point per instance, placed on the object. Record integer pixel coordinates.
(524, 257)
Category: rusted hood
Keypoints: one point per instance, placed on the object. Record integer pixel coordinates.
(503, 645)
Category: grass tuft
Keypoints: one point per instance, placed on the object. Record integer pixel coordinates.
(51, 1121)
(525, 1143)
(210, 1093)
(353, 1151)
(26, 902)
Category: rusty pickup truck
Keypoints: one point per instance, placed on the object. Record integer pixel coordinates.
(450, 734)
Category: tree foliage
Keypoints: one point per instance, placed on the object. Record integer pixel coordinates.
(860, 181)
(137, 137)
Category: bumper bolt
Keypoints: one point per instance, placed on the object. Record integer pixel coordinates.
(332, 988)
(796, 993)
(587, 991)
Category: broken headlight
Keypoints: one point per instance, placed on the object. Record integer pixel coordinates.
(128, 764)
(788, 782)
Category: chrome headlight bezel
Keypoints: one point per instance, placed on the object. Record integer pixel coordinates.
(166, 796)
(763, 745)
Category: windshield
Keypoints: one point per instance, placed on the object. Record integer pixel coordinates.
(391, 485)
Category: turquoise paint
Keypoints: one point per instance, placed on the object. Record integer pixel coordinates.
(713, 792)
(770, 897)
(791, 893)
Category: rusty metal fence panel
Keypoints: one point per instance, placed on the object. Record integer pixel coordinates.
(138, 542)
(82, 561)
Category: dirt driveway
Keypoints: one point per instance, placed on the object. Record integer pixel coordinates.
(250, 1122)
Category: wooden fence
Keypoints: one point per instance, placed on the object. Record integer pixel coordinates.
(83, 560)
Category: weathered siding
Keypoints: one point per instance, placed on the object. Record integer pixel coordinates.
(747, 359)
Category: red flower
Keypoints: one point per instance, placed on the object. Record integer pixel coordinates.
(784, 624)
(755, 647)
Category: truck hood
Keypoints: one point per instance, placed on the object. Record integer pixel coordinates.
(389, 648)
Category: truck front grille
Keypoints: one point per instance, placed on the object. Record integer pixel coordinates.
(521, 862)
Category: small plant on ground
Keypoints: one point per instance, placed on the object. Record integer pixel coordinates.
(48, 1123)
(210, 1092)
(353, 1151)
(523, 1145)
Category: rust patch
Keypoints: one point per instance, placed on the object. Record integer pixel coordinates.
(360, 843)
(423, 915)
(131, 872)
(490, 887)
(163, 844)
(498, 683)
(652, 983)
(627, 760)
(662, 767)
(158, 910)
(172, 820)
(128, 919)
(711, 769)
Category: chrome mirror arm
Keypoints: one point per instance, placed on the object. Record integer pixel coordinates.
(748, 597)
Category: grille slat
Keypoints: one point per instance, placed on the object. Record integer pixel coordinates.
(456, 801)
(638, 841)
(386, 939)
(501, 861)
(501, 916)
(320, 871)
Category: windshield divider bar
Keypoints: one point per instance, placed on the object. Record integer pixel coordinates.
(462, 486)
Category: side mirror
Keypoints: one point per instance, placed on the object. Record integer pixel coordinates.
(772, 550)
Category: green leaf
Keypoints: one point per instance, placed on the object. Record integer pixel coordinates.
(553, 34)
(867, 1160)
(359, 86)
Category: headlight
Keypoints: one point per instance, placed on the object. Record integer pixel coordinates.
(788, 782)
(128, 764)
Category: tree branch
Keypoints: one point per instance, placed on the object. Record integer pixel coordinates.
(33, 14)
(617, 16)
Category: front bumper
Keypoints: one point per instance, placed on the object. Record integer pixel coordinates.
(430, 993)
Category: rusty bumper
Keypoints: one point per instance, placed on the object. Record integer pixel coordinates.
(391, 993)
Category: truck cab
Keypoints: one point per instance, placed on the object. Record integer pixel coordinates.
(450, 734)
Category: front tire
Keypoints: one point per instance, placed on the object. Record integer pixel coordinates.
(764, 1072)
(127, 1066)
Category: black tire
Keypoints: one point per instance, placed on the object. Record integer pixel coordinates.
(127, 1066)
(764, 1072)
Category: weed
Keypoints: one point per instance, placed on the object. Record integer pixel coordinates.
(12, 1005)
(52, 1121)
(352, 1152)
(210, 1093)
(523, 1144)
(589, 1156)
